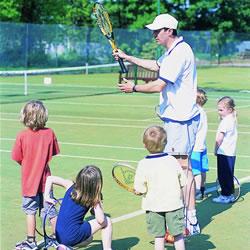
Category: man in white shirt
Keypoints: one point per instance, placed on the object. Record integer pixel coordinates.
(177, 85)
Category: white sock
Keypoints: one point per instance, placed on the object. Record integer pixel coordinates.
(191, 215)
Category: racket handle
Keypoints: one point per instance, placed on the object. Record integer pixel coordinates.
(122, 65)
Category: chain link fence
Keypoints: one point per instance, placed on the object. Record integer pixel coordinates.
(26, 46)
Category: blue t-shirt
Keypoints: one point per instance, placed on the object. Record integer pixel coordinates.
(71, 229)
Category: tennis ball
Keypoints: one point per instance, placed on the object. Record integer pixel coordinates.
(169, 238)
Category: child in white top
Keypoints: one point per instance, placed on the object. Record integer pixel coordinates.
(225, 148)
(199, 159)
(160, 178)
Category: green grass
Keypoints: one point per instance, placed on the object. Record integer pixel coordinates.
(95, 124)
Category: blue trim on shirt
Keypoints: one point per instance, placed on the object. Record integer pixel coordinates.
(166, 80)
(195, 118)
(175, 46)
(156, 155)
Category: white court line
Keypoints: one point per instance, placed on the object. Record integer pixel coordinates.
(111, 119)
(105, 125)
(108, 146)
(86, 117)
(140, 212)
(121, 160)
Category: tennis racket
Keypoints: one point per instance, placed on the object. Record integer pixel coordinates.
(47, 233)
(236, 189)
(105, 26)
(124, 176)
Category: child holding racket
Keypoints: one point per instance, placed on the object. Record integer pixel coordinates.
(33, 149)
(81, 195)
(225, 149)
(160, 178)
(199, 160)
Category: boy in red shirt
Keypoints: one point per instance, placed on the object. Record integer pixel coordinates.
(33, 149)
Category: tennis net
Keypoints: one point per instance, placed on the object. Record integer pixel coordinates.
(22, 85)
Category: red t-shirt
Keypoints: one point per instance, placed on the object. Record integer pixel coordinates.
(33, 150)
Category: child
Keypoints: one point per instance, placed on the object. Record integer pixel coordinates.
(160, 178)
(199, 160)
(225, 148)
(33, 149)
(84, 194)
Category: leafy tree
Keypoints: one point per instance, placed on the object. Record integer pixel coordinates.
(9, 10)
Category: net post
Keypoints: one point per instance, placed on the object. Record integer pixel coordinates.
(86, 69)
(25, 83)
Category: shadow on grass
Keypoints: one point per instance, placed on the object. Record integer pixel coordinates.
(117, 244)
(207, 210)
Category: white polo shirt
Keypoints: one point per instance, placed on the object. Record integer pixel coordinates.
(228, 126)
(178, 70)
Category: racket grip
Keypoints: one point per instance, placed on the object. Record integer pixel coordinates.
(122, 66)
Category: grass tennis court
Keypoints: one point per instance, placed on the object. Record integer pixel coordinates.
(96, 124)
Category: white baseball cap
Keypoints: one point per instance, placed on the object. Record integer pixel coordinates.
(163, 21)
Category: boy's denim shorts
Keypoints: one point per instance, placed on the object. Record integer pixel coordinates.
(31, 205)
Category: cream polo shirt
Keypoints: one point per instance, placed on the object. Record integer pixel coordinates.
(178, 70)
(228, 126)
(160, 177)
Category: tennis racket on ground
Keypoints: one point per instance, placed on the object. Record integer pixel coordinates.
(47, 233)
(236, 188)
(124, 176)
(105, 26)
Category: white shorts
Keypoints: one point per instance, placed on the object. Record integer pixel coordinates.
(181, 136)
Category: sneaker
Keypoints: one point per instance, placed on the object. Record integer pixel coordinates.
(232, 198)
(199, 196)
(51, 242)
(223, 199)
(193, 229)
(25, 245)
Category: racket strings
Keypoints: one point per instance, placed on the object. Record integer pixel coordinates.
(128, 176)
(103, 20)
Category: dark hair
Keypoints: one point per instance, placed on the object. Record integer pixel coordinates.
(201, 98)
(174, 31)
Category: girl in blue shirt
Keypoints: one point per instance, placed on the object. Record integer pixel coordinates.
(81, 195)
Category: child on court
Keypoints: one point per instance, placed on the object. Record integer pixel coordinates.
(160, 178)
(199, 159)
(81, 195)
(225, 149)
(33, 149)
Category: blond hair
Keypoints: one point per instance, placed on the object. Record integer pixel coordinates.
(34, 115)
(201, 98)
(155, 139)
(88, 186)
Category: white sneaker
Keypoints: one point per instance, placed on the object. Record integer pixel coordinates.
(223, 199)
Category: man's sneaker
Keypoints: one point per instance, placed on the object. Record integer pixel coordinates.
(26, 245)
(223, 199)
(193, 229)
